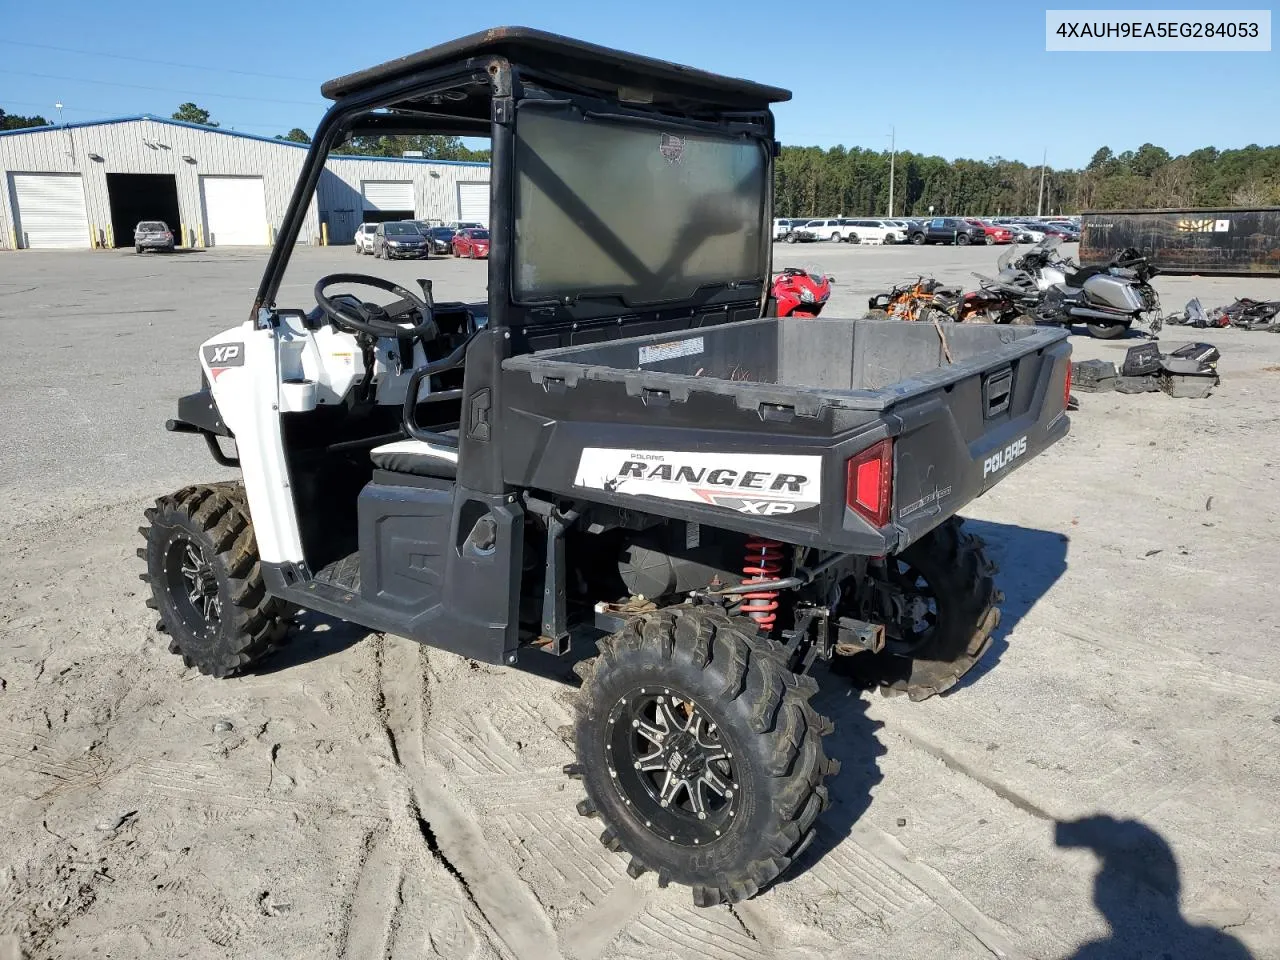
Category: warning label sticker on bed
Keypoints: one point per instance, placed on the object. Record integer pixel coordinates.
(760, 484)
(670, 351)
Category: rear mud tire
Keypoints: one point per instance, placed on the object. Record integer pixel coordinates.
(233, 622)
(721, 671)
(954, 565)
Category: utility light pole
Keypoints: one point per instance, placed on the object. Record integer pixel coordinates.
(1040, 201)
(893, 153)
(58, 107)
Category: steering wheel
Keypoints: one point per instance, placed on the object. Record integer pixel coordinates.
(371, 318)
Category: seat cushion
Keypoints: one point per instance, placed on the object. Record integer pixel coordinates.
(417, 457)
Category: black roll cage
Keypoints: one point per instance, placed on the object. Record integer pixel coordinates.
(408, 87)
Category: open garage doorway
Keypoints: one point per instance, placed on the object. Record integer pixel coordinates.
(142, 196)
(387, 200)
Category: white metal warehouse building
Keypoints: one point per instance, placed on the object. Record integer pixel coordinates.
(88, 184)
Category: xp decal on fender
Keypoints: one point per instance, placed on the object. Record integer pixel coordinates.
(700, 752)
(206, 582)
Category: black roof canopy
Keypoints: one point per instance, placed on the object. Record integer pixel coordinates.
(582, 64)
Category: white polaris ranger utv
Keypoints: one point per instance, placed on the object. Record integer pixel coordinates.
(621, 445)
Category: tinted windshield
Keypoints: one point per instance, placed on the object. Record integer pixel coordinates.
(612, 207)
(400, 230)
(442, 233)
(478, 234)
(152, 225)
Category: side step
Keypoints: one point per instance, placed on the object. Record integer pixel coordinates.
(343, 574)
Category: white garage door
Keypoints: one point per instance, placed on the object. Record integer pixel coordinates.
(388, 196)
(51, 210)
(235, 212)
(473, 202)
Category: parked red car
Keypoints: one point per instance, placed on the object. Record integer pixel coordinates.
(994, 233)
(471, 243)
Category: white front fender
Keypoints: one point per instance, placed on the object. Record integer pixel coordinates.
(241, 367)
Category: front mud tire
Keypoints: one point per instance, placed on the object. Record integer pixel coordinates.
(757, 733)
(206, 580)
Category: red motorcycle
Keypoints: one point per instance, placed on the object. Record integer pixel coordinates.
(800, 292)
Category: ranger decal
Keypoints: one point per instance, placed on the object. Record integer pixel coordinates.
(759, 484)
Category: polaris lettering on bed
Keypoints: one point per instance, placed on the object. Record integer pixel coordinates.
(219, 356)
(1002, 458)
(759, 484)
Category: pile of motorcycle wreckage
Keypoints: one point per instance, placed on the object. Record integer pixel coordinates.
(1188, 371)
(1040, 286)
(1244, 314)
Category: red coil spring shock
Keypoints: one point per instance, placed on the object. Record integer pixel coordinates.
(763, 562)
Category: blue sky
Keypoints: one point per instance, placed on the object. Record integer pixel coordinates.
(955, 78)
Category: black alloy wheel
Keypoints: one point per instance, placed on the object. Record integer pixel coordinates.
(673, 764)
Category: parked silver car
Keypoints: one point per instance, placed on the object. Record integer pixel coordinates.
(152, 235)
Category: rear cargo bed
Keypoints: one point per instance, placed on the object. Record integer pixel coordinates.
(793, 397)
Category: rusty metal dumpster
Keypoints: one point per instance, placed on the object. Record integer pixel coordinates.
(1227, 241)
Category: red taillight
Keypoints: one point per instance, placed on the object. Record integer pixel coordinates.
(869, 485)
(1066, 390)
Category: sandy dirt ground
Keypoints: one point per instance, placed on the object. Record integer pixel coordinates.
(1104, 784)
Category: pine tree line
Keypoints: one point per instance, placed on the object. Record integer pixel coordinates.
(811, 182)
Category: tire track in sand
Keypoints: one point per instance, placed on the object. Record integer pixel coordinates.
(503, 903)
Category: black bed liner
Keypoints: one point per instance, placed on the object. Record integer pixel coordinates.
(825, 388)
(586, 64)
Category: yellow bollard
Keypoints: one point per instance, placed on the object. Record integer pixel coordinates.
(13, 235)
(93, 236)
(324, 234)
(184, 234)
(111, 237)
(200, 235)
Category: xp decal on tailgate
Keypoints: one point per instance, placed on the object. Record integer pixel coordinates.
(762, 484)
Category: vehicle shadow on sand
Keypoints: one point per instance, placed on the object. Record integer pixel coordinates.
(1028, 563)
(859, 750)
(314, 636)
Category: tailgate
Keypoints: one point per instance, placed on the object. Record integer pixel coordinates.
(958, 441)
